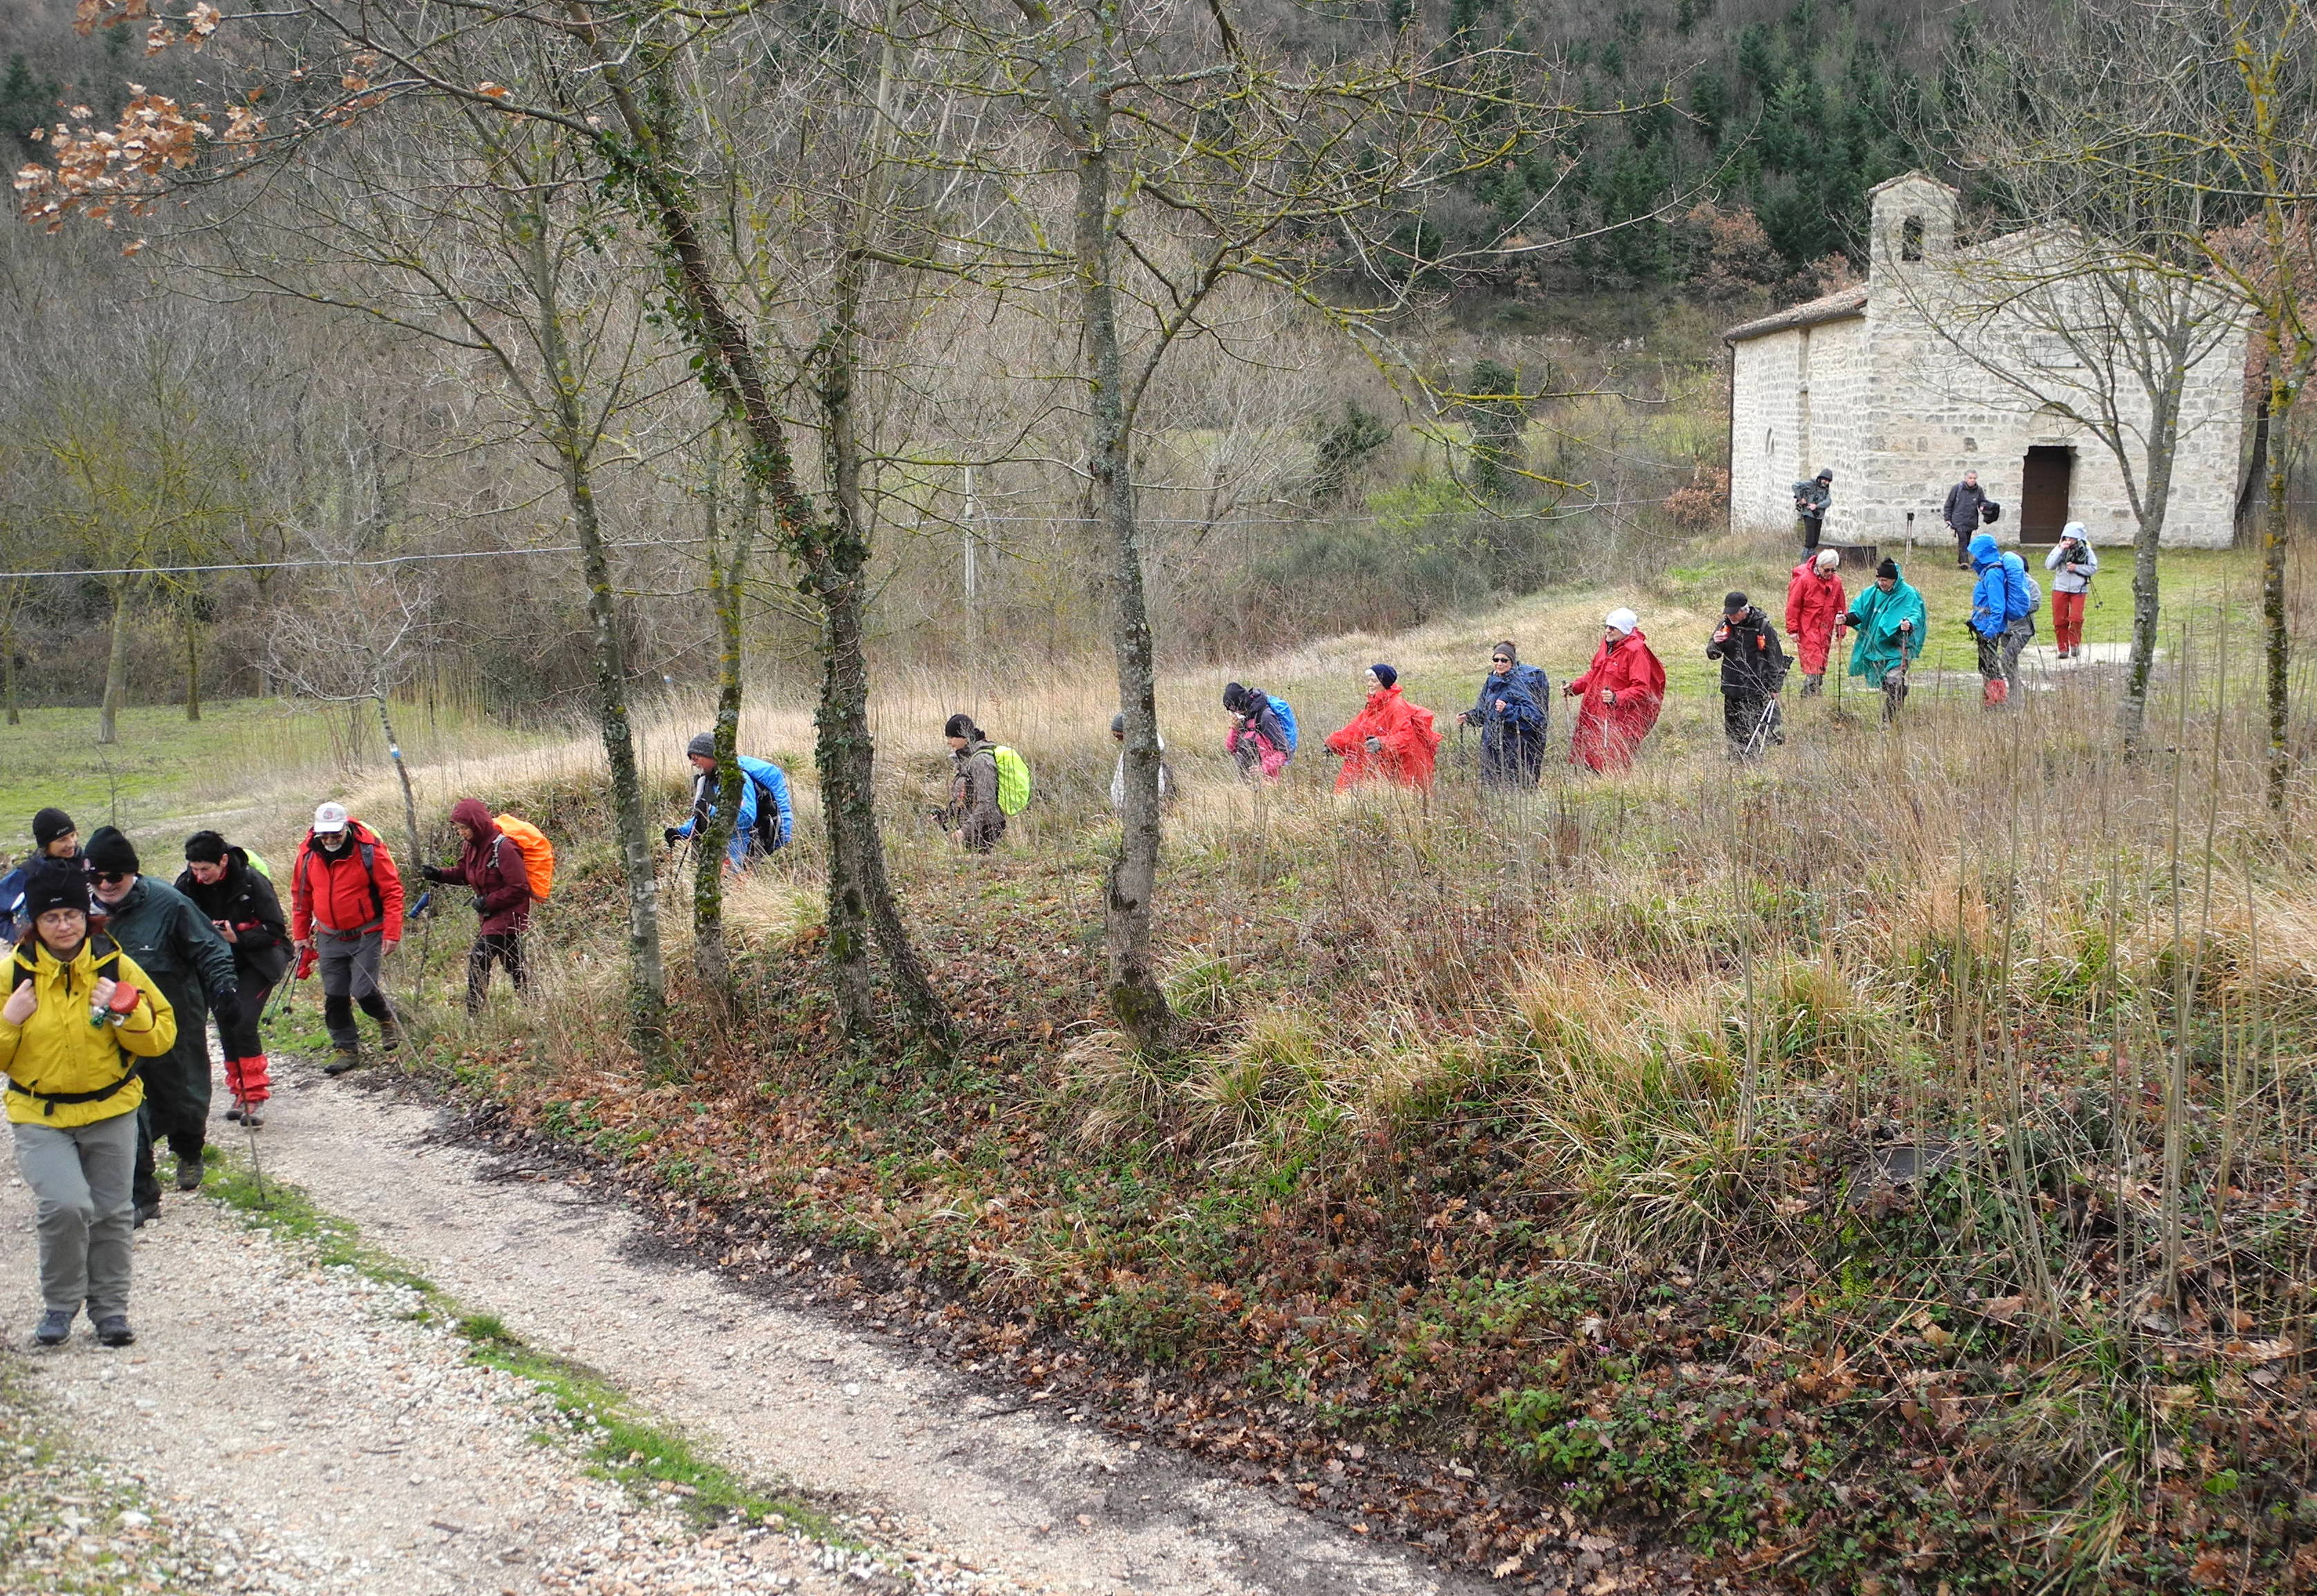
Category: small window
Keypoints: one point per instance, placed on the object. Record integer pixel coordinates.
(1770, 440)
(1911, 239)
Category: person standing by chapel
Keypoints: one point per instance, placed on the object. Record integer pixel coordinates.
(1966, 506)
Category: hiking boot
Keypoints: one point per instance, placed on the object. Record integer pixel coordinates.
(55, 1327)
(146, 1211)
(188, 1172)
(347, 1059)
(233, 1113)
(389, 1038)
(112, 1330)
(252, 1117)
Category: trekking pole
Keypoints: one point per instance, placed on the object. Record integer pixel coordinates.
(423, 909)
(1756, 743)
(256, 1169)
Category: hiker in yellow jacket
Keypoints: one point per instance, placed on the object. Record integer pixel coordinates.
(79, 1019)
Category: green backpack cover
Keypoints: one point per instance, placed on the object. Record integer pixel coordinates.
(1012, 780)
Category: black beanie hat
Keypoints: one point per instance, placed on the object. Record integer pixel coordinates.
(703, 746)
(1385, 674)
(1889, 568)
(54, 884)
(1734, 603)
(205, 847)
(1118, 724)
(109, 851)
(49, 825)
(960, 726)
(1235, 698)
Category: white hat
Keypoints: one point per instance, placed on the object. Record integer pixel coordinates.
(330, 817)
(2075, 528)
(1624, 621)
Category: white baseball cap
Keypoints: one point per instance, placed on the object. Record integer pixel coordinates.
(1624, 620)
(330, 817)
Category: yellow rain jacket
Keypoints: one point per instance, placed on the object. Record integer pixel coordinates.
(58, 1052)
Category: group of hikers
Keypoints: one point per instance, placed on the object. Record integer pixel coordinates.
(115, 975)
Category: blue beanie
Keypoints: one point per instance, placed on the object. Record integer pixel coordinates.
(1385, 674)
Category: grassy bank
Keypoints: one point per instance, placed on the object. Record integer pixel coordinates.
(1885, 1169)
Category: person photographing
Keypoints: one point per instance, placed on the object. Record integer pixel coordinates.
(219, 881)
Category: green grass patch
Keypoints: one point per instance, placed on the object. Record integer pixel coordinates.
(619, 1441)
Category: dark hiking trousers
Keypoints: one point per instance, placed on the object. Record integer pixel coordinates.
(505, 947)
(1750, 722)
(240, 1040)
(176, 1109)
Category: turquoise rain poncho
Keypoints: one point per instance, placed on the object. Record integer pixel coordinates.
(1876, 642)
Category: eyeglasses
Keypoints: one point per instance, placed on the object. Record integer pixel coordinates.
(114, 878)
(1500, 660)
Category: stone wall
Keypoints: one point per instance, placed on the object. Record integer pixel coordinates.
(1896, 403)
(1794, 398)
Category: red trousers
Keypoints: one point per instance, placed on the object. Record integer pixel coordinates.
(2067, 618)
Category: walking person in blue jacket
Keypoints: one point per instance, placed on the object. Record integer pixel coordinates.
(765, 816)
(1991, 619)
(2021, 599)
(1514, 715)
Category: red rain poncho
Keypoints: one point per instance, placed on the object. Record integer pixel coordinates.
(1813, 615)
(1607, 733)
(1405, 730)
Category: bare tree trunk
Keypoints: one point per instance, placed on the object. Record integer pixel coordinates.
(401, 770)
(832, 565)
(8, 675)
(2275, 644)
(711, 959)
(2163, 424)
(1136, 1001)
(646, 976)
(192, 666)
(116, 667)
(861, 903)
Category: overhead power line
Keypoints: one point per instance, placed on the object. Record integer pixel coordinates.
(391, 559)
(531, 548)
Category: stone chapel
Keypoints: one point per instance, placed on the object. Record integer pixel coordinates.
(1868, 382)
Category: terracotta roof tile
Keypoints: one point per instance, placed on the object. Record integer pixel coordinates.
(1833, 307)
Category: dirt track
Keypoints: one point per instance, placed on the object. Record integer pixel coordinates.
(390, 1465)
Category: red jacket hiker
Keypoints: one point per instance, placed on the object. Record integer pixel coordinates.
(1619, 698)
(492, 867)
(340, 893)
(1814, 605)
(1403, 729)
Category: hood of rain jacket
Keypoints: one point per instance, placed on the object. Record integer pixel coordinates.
(1405, 730)
(1990, 603)
(1879, 642)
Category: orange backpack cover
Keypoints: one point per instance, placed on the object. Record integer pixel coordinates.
(538, 854)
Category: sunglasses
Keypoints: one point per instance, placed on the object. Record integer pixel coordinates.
(1499, 660)
(113, 878)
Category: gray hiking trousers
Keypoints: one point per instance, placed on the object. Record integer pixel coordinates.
(2017, 636)
(79, 1176)
(348, 964)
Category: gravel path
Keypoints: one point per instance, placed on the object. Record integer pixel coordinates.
(312, 1435)
(332, 1442)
